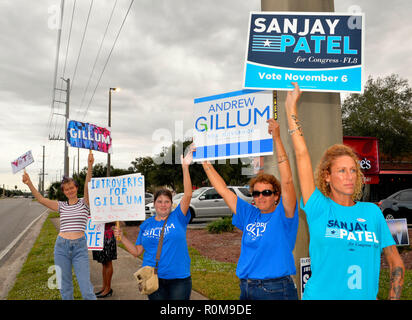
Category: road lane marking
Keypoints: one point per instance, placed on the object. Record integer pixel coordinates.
(13, 243)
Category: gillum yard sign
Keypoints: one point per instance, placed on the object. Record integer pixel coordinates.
(320, 51)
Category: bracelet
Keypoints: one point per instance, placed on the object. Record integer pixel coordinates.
(294, 130)
(283, 158)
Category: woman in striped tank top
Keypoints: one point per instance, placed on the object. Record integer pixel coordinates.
(71, 247)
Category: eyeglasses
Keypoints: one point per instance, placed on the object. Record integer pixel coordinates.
(265, 193)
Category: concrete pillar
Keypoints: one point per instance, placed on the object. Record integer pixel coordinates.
(320, 116)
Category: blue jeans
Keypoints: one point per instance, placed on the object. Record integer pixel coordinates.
(173, 289)
(68, 253)
(271, 289)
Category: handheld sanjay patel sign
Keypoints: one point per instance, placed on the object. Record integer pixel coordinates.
(120, 198)
(321, 51)
(22, 162)
(232, 125)
(89, 136)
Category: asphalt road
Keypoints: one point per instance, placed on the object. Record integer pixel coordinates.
(16, 214)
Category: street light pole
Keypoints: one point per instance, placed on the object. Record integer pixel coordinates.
(110, 124)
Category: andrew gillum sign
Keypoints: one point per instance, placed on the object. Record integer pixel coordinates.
(319, 51)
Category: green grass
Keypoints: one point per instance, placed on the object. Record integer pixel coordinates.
(384, 281)
(215, 280)
(32, 283)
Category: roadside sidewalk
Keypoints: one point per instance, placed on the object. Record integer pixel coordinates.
(123, 283)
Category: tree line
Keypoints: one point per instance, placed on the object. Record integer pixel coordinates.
(161, 173)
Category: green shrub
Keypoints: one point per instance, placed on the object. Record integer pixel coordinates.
(220, 226)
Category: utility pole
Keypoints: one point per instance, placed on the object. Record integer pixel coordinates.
(42, 179)
(321, 120)
(66, 115)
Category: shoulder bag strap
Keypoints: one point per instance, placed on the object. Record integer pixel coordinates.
(159, 246)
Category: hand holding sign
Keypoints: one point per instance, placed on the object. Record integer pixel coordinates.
(273, 128)
(188, 159)
(26, 178)
(293, 96)
(90, 159)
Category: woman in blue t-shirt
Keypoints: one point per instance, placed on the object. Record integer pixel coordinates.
(346, 236)
(175, 281)
(266, 261)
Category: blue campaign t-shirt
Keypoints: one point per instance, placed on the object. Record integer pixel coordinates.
(174, 259)
(345, 249)
(267, 242)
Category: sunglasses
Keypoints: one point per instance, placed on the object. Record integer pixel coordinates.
(265, 193)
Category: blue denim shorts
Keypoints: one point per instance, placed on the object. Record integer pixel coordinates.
(269, 289)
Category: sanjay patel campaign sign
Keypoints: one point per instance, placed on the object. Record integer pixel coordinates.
(120, 198)
(320, 51)
(232, 125)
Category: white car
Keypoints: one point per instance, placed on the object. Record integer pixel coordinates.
(206, 202)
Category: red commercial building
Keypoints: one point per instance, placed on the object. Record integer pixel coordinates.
(383, 175)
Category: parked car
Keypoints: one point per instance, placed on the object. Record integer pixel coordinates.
(148, 197)
(398, 205)
(206, 202)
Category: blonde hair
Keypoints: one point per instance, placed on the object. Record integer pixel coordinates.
(324, 169)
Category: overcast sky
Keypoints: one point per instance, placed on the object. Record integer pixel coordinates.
(167, 54)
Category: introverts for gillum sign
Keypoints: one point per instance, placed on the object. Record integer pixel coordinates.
(232, 125)
(320, 51)
(120, 198)
(89, 136)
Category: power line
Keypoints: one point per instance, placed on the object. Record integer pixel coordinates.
(81, 44)
(67, 46)
(54, 137)
(56, 62)
(108, 58)
(97, 57)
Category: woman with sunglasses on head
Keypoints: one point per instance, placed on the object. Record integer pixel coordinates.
(266, 262)
(346, 236)
(70, 249)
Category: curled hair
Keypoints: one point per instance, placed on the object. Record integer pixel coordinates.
(324, 169)
(67, 180)
(163, 192)
(266, 178)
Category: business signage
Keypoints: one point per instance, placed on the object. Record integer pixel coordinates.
(367, 150)
(320, 51)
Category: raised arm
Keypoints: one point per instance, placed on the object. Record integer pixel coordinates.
(286, 179)
(51, 204)
(397, 272)
(90, 161)
(187, 182)
(305, 172)
(219, 184)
